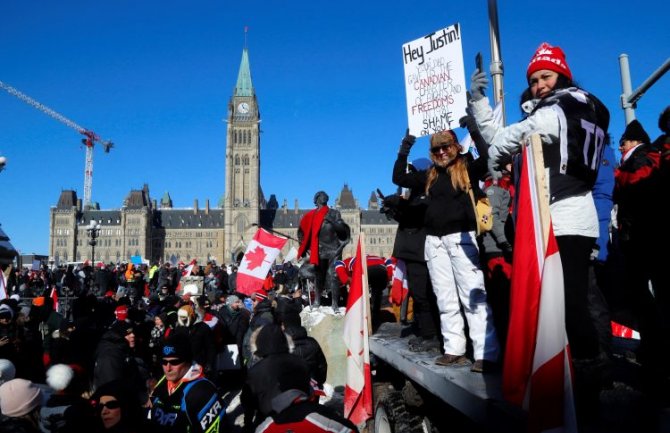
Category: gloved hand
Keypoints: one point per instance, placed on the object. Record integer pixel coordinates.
(406, 144)
(468, 122)
(506, 247)
(478, 83)
(493, 169)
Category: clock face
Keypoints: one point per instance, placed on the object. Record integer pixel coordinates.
(243, 107)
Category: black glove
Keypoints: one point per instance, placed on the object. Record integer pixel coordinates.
(478, 83)
(468, 122)
(406, 144)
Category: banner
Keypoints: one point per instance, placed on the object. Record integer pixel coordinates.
(257, 261)
(358, 389)
(537, 371)
(435, 81)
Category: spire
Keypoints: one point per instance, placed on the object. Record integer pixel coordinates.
(244, 86)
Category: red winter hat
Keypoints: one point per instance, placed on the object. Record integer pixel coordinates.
(121, 312)
(551, 58)
(260, 295)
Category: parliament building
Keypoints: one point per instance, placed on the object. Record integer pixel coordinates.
(156, 231)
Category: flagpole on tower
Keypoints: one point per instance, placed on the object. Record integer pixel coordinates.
(246, 30)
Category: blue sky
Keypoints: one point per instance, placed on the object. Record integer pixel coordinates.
(156, 77)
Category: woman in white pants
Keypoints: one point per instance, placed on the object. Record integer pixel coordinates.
(451, 247)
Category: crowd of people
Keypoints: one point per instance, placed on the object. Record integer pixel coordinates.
(124, 348)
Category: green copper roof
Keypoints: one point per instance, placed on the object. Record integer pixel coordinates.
(244, 86)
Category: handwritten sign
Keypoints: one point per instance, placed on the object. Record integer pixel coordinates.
(435, 81)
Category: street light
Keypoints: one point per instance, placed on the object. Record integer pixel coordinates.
(93, 230)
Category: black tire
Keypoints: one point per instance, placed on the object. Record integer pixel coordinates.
(391, 416)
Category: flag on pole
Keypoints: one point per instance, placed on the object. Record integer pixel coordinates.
(54, 297)
(537, 371)
(257, 261)
(188, 269)
(399, 285)
(358, 388)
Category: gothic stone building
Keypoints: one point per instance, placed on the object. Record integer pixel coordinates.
(158, 232)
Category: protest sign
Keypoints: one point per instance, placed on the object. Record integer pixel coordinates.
(435, 81)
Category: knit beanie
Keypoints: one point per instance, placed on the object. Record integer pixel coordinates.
(178, 346)
(548, 57)
(6, 312)
(231, 299)
(635, 131)
(7, 370)
(19, 397)
(121, 312)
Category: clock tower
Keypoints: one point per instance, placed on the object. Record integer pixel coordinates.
(242, 193)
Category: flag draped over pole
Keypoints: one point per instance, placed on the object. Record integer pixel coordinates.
(257, 261)
(358, 389)
(537, 370)
(399, 285)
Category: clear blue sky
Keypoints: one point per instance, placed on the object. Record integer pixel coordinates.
(156, 77)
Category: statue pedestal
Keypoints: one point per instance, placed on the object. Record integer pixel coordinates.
(327, 327)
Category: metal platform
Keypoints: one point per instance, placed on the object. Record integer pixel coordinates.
(476, 395)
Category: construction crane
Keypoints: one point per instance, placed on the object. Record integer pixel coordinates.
(89, 140)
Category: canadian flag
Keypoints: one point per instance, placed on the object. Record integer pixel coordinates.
(399, 285)
(257, 261)
(54, 297)
(537, 372)
(188, 269)
(358, 389)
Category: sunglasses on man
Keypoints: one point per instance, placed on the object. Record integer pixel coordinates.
(172, 362)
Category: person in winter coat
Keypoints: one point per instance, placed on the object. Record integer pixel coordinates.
(636, 190)
(275, 369)
(409, 211)
(451, 249)
(115, 359)
(310, 350)
(184, 401)
(572, 124)
(235, 319)
(200, 335)
(66, 410)
(20, 402)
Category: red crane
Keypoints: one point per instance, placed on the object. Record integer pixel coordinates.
(89, 140)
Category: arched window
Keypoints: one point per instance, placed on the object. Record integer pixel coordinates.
(237, 159)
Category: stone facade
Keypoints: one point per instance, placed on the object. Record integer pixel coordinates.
(159, 232)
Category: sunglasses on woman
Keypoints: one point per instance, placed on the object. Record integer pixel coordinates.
(439, 148)
(111, 404)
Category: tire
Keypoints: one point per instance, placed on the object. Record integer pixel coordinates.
(391, 416)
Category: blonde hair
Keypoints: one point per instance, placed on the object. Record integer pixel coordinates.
(458, 169)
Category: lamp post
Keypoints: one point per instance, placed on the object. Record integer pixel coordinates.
(93, 230)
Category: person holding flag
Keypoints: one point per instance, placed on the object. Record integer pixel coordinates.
(572, 125)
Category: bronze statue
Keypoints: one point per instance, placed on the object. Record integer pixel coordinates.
(323, 234)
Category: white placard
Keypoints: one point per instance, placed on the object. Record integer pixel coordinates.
(435, 81)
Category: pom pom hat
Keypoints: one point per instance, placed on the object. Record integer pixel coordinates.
(59, 376)
(548, 57)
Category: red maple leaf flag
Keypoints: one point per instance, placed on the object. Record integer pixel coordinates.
(257, 261)
(189, 269)
(358, 389)
(537, 372)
